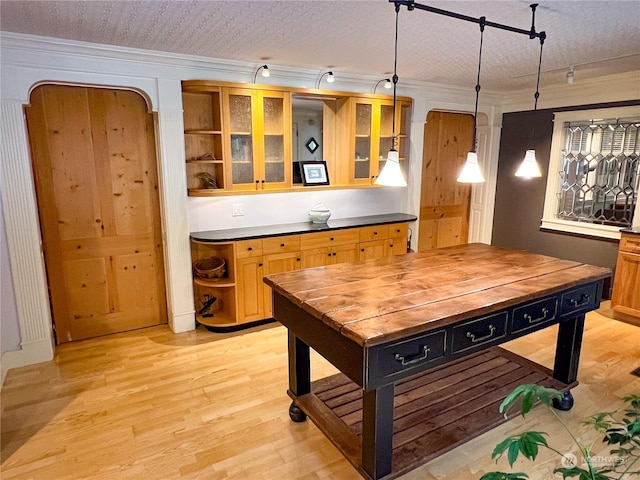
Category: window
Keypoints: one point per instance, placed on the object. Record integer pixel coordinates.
(594, 172)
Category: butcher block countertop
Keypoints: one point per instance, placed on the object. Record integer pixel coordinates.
(419, 292)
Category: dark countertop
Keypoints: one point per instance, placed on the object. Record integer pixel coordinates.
(233, 234)
(632, 230)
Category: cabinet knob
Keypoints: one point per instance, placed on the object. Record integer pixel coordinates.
(332, 239)
(328, 254)
(375, 233)
(297, 259)
(282, 244)
(334, 254)
(391, 245)
(259, 264)
(250, 248)
(362, 249)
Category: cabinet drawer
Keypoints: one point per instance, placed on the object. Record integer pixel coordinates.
(411, 353)
(630, 243)
(479, 332)
(578, 300)
(398, 230)
(289, 243)
(248, 248)
(327, 239)
(535, 314)
(379, 232)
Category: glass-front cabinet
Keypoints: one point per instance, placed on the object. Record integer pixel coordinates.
(258, 138)
(253, 138)
(373, 136)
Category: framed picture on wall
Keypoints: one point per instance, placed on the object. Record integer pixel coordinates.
(314, 172)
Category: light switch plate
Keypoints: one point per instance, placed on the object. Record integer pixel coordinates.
(237, 210)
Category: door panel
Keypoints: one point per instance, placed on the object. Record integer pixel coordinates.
(94, 162)
(444, 203)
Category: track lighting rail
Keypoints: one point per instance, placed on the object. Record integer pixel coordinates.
(411, 5)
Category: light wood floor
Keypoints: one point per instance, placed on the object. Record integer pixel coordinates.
(153, 405)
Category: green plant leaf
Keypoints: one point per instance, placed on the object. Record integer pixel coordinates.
(504, 476)
(528, 394)
(512, 455)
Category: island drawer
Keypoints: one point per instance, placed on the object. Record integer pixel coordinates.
(535, 314)
(480, 331)
(410, 353)
(579, 300)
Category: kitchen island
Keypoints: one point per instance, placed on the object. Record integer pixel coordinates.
(415, 339)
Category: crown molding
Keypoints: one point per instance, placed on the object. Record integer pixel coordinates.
(610, 88)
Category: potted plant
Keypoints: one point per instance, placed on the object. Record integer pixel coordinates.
(619, 429)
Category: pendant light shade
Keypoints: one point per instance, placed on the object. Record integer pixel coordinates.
(529, 167)
(391, 174)
(471, 171)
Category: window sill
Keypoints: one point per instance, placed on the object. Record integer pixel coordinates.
(580, 228)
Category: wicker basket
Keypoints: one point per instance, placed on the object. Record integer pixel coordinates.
(212, 267)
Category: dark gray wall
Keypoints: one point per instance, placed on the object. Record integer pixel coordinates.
(520, 203)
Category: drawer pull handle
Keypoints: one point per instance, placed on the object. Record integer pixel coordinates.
(531, 320)
(584, 299)
(411, 359)
(475, 339)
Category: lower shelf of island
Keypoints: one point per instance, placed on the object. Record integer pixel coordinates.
(434, 411)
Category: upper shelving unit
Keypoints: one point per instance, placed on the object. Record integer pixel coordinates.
(251, 138)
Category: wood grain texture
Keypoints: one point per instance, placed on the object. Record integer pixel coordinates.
(151, 404)
(94, 160)
(390, 298)
(444, 203)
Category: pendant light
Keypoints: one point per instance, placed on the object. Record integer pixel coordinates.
(471, 172)
(529, 167)
(391, 174)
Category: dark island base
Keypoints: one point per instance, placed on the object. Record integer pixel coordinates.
(235, 327)
(434, 411)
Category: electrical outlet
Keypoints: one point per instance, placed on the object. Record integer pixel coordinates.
(237, 210)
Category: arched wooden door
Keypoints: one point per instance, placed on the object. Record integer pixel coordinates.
(95, 167)
(444, 203)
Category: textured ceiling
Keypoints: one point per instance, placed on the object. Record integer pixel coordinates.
(597, 37)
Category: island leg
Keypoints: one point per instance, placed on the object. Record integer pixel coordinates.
(299, 374)
(567, 358)
(377, 431)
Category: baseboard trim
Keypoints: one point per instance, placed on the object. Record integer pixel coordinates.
(29, 354)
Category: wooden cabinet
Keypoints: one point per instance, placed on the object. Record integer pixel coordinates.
(625, 301)
(257, 141)
(238, 138)
(243, 297)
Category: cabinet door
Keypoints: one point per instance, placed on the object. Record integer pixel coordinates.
(316, 257)
(626, 293)
(274, 129)
(238, 107)
(278, 263)
(373, 249)
(363, 144)
(250, 289)
(344, 253)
